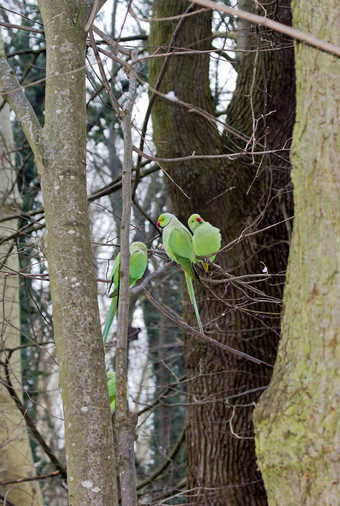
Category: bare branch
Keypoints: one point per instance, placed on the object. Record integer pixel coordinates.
(154, 95)
(206, 338)
(113, 100)
(6, 502)
(30, 423)
(111, 42)
(167, 461)
(162, 395)
(274, 25)
(155, 274)
(31, 478)
(21, 27)
(93, 7)
(124, 421)
(11, 91)
(193, 156)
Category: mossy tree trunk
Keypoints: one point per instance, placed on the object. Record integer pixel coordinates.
(60, 154)
(297, 421)
(15, 452)
(222, 465)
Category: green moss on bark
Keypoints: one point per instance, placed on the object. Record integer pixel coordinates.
(297, 432)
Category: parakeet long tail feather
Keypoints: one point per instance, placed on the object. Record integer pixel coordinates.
(109, 318)
(193, 300)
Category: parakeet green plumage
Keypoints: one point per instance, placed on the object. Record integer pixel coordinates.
(111, 385)
(138, 263)
(178, 245)
(206, 238)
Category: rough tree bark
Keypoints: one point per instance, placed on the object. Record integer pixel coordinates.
(15, 452)
(297, 428)
(220, 447)
(60, 155)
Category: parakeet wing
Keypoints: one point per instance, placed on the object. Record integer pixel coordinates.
(111, 384)
(206, 240)
(115, 271)
(180, 243)
(138, 263)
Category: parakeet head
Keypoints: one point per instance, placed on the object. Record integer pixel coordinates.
(194, 221)
(164, 219)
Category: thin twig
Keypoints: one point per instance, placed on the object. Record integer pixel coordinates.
(21, 27)
(31, 478)
(114, 103)
(30, 423)
(167, 461)
(111, 42)
(155, 274)
(12, 92)
(154, 94)
(124, 423)
(162, 395)
(274, 25)
(206, 338)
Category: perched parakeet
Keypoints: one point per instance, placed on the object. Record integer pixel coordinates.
(178, 245)
(111, 385)
(206, 238)
(138, 263)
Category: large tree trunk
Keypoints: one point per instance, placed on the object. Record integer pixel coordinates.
(297, 429)
(16, 460)
(220, 447)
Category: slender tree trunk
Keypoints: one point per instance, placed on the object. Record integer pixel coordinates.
(88, 433)
(60, 154)
(15, 452)
(125, 421)
(297, 429)
(222, 465)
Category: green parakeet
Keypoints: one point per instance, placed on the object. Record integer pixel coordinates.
(206, 238)
(138, 263)
(178, 245)
(111, 385)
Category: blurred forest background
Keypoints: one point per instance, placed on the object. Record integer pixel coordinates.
(212, 128)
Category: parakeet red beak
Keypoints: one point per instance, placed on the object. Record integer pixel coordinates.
(199, 220)
(158, 224)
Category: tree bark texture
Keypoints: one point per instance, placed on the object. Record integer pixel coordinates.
(125, 422)
(15, 451)
(60, 155)
(221, 465)
(297, 420)
(88, 432)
